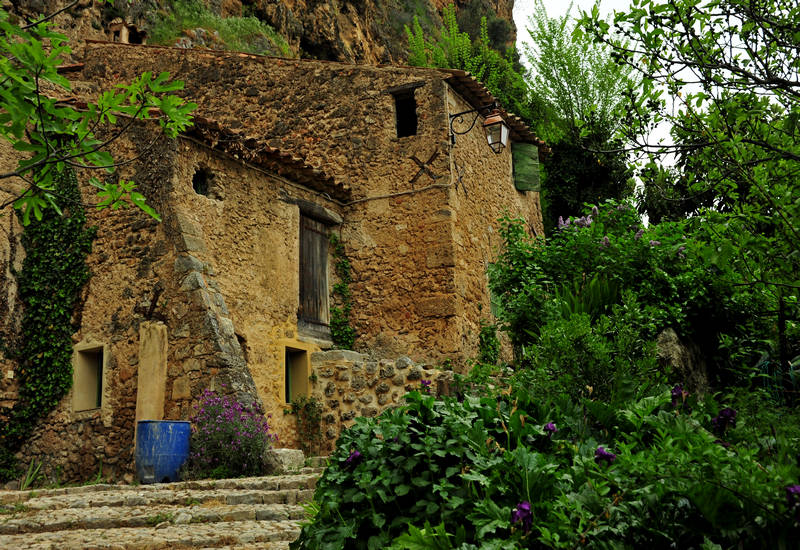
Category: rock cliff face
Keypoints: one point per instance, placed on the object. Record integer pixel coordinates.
(362, 31)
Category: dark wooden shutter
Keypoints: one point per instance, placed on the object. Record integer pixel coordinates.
(313, 272)
(526, 166)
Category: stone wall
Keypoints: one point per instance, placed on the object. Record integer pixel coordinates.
(483, 192)
(350, 384)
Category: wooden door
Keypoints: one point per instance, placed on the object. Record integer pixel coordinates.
(313, 272)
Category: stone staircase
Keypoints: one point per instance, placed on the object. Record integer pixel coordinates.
(256, 512)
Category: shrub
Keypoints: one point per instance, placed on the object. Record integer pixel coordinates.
(670, 270)
(526, 472)
(229, 439)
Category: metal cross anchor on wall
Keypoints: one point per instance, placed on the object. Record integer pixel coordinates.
(424, 168)
(460, 171)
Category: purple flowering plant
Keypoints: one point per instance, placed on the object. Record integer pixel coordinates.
(724, 420)
(522, 514)
(601, 455)
(229, 438)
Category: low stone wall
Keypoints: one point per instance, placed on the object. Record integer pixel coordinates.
(351, 384)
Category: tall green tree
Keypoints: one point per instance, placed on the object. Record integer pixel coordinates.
(726, 75)
(577, 87)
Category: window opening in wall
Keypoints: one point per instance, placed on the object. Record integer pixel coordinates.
(201, 181)
(405, 106)
(295, 374)
(88, 382)
(313, 315)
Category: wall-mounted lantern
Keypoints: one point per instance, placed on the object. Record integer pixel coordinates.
(494, 126)
(496, 131)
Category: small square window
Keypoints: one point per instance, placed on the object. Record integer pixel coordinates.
(88, 380)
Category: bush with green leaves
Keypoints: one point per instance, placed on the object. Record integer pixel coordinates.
(229, 438)
(522, 471)
(673, 271)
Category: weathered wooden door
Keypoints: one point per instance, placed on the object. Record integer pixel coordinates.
(314, 273)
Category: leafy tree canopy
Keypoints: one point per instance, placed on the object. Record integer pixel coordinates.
(576, 89)
(726, 75)
(51, 132)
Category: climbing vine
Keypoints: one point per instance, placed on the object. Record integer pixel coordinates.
(52, 275)
(308, 411)
(342, 333)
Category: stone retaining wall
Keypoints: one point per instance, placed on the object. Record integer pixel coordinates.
(351, 384)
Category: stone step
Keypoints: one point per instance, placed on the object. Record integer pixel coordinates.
(272, 535)
(257, 512)
(168, 497)
(33, 521)
(131, 494)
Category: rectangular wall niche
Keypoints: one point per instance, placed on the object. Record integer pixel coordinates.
(87, 393)
(296, 374)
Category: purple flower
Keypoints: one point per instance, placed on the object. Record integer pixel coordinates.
(585, 221)
(550, 428)
(605, 242)
(655, 243)
(601, 455)
(595, 211)
(639, 234)
(679, 396)
(563, 224)
(522, 513)
(425, 386)
(724, 420)
(354, 458)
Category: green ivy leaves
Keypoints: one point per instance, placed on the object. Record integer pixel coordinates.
(54, 271)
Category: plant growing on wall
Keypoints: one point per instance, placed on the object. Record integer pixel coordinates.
(342, 333)
(53, 273)
(308, 411)
(488, 343)
(54, 138)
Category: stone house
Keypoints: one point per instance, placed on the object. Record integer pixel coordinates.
(232, 289)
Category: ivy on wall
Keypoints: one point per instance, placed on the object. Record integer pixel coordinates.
(309, 423)
(52, 275)
(343, 334)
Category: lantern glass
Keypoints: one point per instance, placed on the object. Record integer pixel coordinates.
(496, 132)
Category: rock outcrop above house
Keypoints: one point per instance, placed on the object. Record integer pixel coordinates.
(362, 31)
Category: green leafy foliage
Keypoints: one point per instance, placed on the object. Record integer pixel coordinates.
(343, 334)
(488, 343)
(52, 134)
(308, 412)
(241, 34)
(53, 273)
(723, 74)
(673, 275)
(455, 49)
(469, 468)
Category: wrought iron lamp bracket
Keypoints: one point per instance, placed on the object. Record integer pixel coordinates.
(458, 119)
